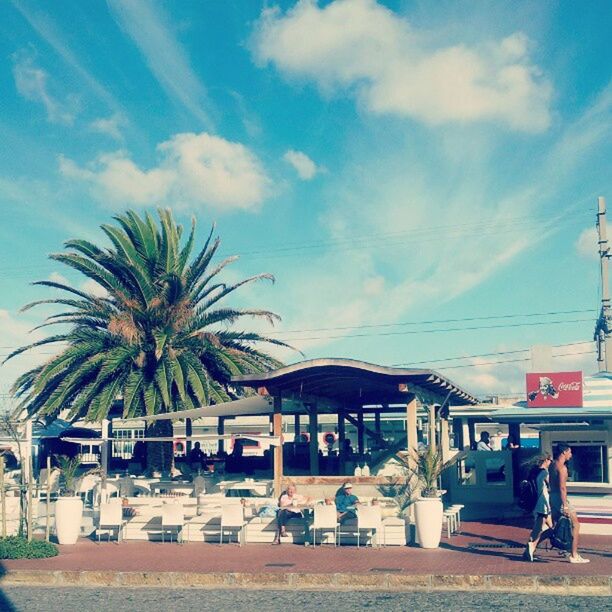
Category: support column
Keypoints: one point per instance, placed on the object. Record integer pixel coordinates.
(377, 427)
(412, 440)
(296, 426)
(106, 448)
(188, 434)
(277, 430)
(313, 429)
(432, 427)
(472, 433)
(444, 440)
(220, 432)
(341, 449)
(360, 434)
(514, 430)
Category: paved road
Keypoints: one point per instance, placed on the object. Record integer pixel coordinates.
(50, 599)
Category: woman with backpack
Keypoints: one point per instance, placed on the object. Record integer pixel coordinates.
(541, 511)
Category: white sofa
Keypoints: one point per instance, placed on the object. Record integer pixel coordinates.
(203, 522)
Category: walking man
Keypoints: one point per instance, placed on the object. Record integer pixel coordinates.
(558, 497)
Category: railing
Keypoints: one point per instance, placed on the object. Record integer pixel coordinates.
(480, 477)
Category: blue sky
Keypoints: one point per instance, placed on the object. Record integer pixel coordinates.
(389, 162)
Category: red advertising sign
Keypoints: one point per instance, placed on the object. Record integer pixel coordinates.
(560, 389)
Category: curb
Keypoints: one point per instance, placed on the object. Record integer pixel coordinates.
(557, 585)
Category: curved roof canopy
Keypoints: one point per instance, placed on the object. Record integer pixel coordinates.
(355, 382)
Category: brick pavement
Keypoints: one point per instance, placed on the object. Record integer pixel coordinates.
(481, 549)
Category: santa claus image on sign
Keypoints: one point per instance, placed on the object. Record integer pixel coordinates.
(546, 389)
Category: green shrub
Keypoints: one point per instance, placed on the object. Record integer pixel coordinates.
(14, 547)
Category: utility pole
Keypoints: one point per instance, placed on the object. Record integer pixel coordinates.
(603, 327)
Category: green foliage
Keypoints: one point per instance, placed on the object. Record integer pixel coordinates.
(426, 466)
(156, 336)
(69, 467)
(14, 547)
(399, 488)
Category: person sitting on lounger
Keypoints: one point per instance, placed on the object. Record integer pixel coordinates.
(346, 503)
(288, 503)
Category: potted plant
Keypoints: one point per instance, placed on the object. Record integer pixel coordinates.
(69, 506)
(426, 465)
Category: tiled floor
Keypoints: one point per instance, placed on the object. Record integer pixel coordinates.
(482, 548)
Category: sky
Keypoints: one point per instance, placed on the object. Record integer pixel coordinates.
(421, 178)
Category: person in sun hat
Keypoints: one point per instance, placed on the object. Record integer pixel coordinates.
(346, 502)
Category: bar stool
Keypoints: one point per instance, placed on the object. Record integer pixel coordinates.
(459, 508)
(450, 514)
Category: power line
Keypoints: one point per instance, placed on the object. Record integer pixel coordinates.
(431, 322)
(382, 239)
(437, 331)
(477, 365)
(396, 365)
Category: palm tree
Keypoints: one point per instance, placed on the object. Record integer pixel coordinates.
(158, 339)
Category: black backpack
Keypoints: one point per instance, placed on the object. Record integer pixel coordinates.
(562, 536)
(528, 495)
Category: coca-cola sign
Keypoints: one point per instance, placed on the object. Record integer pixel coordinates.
(560, 389)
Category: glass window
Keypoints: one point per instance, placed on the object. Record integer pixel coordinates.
(589, 463)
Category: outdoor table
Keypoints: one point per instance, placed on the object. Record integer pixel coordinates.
(171, 485)
(251, 487)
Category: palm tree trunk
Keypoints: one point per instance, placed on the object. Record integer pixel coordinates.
(160, 455)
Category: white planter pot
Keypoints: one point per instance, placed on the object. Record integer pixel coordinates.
(428, 515)
(68, 517)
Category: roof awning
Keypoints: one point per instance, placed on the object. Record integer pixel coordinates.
(536, 415)
(353, 382)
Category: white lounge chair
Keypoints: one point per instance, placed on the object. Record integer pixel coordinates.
(86, 486)
(102, 495)
(173, 519)
(111, 518)
(325, 517)
(232, 519)
(369, 518)
(48, 482)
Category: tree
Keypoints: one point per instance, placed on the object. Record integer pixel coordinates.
(158, 339)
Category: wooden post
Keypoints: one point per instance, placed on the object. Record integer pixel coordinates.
(341, 438)
(188, 434)
(48, 503)
(2, 496)
(432, 427)
(104, 459)
(377, 422)
(296, 426)
(30, 509)
(444, 440)
(412, 440)
(360, 433)
(277, 430)
(313, 444)
(472, 433)
(514, 430)
(220, 432)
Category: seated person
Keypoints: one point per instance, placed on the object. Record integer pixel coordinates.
(195, 454)
(346, 502)
(287, 511)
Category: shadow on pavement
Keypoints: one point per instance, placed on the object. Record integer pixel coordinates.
(5, 602)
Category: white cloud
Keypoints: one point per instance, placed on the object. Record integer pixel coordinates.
(110, 126)
(90, 286)
(32, 83)
(586, 245)
(195, 171)
(56, 277)
(147, 25)
(361, 48)
(15, 332)
(301, 163)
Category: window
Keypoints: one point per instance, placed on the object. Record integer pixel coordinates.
(589, 463)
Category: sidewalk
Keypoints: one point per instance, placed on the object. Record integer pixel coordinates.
(485, 556)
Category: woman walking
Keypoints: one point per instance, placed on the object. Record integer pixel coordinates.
(541, 512)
